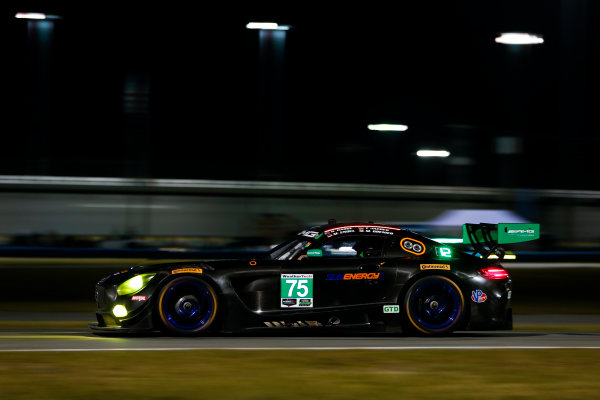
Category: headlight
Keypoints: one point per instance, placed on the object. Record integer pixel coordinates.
(119, 311)
(135, 284)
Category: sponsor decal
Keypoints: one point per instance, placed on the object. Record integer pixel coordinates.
(413, 246)
(354, 277)
(305, 303)
(138, 298)
(314, 253)
(289, 302)
(297, 290)
(393, 309)
(309, 234)
(292, 324)
(515, 233)
(187, 271)
(478, 296)
(435, 266)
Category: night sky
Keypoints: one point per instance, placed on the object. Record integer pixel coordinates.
(181, 91)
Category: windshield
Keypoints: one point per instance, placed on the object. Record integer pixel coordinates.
(288, 250)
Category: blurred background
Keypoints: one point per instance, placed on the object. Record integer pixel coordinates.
(180, 127)
(133, 132)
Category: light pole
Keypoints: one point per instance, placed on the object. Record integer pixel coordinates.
(40, 32)
(271, 54)
(508, 146)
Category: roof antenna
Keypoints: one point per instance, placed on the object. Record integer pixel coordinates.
(331, 221)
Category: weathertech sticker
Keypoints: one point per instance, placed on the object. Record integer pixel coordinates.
(435, 266)
(296, 290)
(478, 296)
(187, 271)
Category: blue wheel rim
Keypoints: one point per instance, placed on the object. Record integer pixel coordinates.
(435, 304)
(188, 305)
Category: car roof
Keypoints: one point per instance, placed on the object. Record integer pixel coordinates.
(354, 226)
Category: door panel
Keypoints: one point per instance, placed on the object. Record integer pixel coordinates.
(342, 282)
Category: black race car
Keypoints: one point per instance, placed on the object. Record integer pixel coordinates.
(357, 276)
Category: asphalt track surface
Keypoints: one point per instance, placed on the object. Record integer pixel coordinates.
(82, 339)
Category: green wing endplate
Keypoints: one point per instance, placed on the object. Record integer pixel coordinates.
(500, 233)
(487, 238)
(516, 233)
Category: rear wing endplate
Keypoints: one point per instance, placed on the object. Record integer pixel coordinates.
(487, 238)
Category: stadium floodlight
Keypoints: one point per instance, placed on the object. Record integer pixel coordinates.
(36, 15)
(271, 26)
(387, 127)
(519, 38)
(30, 15)
(433, 153)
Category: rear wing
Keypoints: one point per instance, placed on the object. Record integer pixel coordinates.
(487, 239)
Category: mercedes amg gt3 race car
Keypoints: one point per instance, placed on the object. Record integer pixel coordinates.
(358, 276)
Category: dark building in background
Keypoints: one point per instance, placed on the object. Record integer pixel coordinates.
(136, 93)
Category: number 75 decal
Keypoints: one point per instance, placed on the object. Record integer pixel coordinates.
(296, 290)
(302, 288)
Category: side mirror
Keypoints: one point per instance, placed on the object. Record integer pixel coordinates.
(314, 253)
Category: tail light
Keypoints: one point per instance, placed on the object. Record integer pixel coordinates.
(493, 273)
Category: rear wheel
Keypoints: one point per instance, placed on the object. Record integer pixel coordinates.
(187, 305)
(434, 305)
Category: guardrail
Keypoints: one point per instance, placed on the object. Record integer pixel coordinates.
(16, 182)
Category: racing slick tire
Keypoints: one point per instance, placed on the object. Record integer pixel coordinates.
(433, 305)
(187, 306)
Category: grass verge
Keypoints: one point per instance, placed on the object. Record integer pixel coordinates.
(36, 325)
(49, 307)
(222, 374)
(558, 328)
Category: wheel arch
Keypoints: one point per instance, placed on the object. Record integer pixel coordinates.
(205, 278)
(447, 274)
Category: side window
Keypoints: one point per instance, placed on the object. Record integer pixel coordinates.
(354, 246)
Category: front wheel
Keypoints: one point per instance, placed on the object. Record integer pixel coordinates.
(434, 305)
(187, 305)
